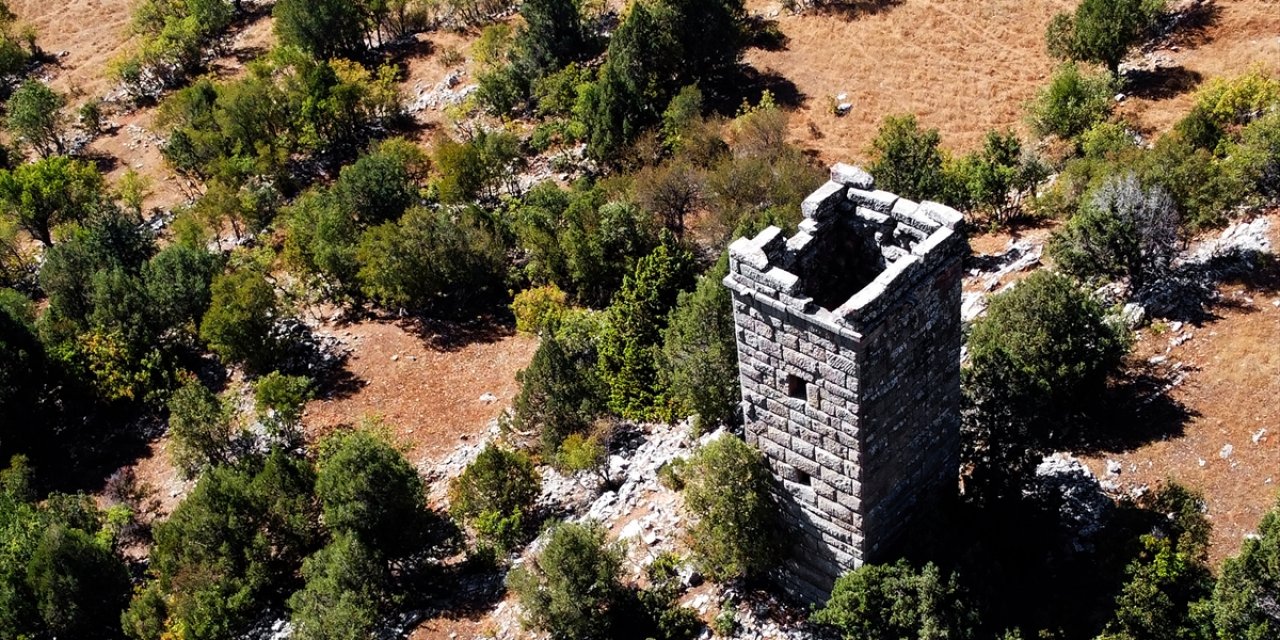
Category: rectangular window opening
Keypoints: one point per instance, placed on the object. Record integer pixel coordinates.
(797, 387)
(803, 478)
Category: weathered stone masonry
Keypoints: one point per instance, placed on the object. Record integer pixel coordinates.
(849, 359)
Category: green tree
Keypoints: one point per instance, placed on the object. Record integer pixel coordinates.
(561, 391)
(366, 487)
(998, 178)
(382, 185)
(572, 589)
(1037, 360)
(907, 159)
(80, 586)
(1072, 103)
(279, 400)
(178, 280)
(1102, 31)
(202, 429)
(239, 324)
(432, 259)
(499, 490)
(50, 192)
(345, 589)
(36, 119)
(554, 35)
(898, 601)
(323, 28)
(1167, 583)
(700, 351)
(241, 533)
(631, 344)
(1244, 598)
(727, 487)
(1123, 229)
(321, 242)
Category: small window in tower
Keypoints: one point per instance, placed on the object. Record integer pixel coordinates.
(803, 478)
(797, 387)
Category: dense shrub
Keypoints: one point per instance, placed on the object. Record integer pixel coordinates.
(35, 118)
(1241, 601)
(1038, 359)
(497, 490)
(1123, 230)
(996, 180)
(1073, 102)
(344, 591)
(201, 427)
(173, 38)
(239, 325)
(43, 195)
(727, 488)
(1102, 31)
(560, 391)
(907, 160)
(572, 589)
(432, 259)
(631, 341)
(538, 310)
(898, 601)
(700, 352)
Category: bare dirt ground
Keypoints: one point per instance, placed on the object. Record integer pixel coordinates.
(962, 67)
(429, 397)
(968, 67)
(1229, 445)
(91, 32)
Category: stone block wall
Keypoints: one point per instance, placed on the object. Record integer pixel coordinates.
(849, 360)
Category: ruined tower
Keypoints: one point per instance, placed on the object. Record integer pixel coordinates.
(849, 360)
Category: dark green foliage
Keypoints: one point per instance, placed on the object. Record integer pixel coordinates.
(1039, 358)
(700, 352)
(580, 242)
(48, 193)
(367, 488)
(107, 241)
(1244, 599)
(1102, 31)
(323, 28)
(381, 185)
(727, 486)
(898, 601)
(58, 573)
(288, 104)
(36, 118)
(572, 589)
(635, 83)
(907, 160)
(1258, 155)
(1123, 229)
(1205, 188)
(1168, 581)
(240, 534)
(631, 342)
(554, 35)
(432, 259)
(1072, 103)
(178, 282)
(279, 400)
(345, 589)
(79, 585)
(481, 167)
(560, 391)
(201, 427)
(321, 242)
(239, 324)
(13, 55)
(500, 486)
(22, 375)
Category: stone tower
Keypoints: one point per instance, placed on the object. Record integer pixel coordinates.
(849, 360)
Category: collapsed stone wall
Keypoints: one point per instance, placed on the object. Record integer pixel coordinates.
(849, 359)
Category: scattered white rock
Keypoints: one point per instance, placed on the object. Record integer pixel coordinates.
(1226, 451)
(1259, 436)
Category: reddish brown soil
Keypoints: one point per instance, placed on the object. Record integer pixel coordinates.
(427, 397)
(1231, 365)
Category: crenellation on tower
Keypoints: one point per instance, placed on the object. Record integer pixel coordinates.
(849, 348)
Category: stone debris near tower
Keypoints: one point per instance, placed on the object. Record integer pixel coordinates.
(849, 339)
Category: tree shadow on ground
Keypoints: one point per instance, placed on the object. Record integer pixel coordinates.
(1190, 293)
(764, 33)
(853, 9)
(1190, 28)
(451, 335)
(1136, 410)
(1162, 83)
(747, 84)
